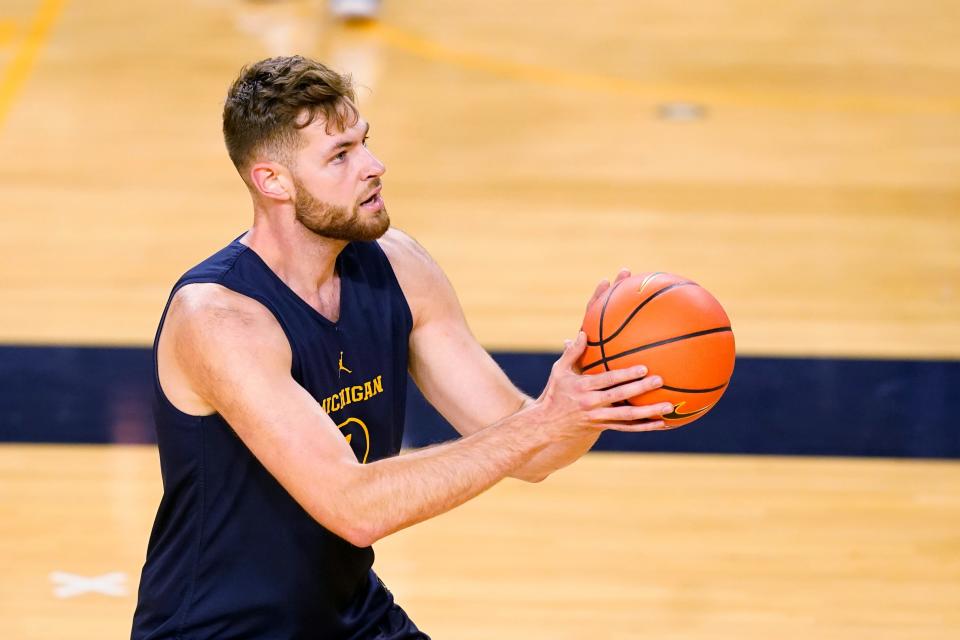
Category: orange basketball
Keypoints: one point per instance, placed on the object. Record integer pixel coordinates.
(674, 327)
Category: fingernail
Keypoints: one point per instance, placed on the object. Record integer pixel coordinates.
(667, 408)
(642, 370)
(656, 381)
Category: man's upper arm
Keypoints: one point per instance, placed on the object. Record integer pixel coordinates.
(236, 357)
(455, 373)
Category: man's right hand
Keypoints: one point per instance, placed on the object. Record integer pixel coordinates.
(574, 405)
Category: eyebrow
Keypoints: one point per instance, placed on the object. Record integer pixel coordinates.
(349, 143)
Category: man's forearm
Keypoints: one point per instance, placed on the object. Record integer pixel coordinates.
(397, 492)
(368, 502)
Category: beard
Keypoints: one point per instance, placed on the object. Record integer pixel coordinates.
(336, 221)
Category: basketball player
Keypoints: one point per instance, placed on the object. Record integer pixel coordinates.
(281, 364)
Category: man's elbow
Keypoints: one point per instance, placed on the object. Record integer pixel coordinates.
(356, 519)
(531, 476)
(361, 537)
(346, 521)
(357, 533)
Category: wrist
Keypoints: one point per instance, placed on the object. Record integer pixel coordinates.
(528, 425)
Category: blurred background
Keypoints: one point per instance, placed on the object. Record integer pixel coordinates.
(801, 160)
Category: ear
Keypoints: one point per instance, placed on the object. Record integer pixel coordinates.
(271, 180)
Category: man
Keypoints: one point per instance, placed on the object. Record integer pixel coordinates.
(281, 367)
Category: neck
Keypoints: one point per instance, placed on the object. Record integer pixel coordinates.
(304, 260)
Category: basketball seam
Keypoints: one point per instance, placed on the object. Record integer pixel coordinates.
(678, 389)
(605, 360)
(632, 314)
(603, 310)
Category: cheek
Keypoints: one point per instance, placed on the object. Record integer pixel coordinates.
(327, 183)
(335, 183)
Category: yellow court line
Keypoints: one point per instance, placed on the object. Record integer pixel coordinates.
(7, 29)
(19, 69)
(736, 97)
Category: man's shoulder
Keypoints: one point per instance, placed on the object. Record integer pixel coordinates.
(410, 261)
(212, 340)
(422, 280)
(216, 310)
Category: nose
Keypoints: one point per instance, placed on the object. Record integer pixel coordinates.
(375, 168)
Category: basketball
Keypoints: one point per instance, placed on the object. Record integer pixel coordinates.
(674, 327)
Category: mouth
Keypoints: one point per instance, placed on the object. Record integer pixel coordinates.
(374, 201)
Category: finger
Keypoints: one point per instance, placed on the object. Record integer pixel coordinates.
(622, 275)
(637, 427)
(625, 391)
(599, 291)
(670, 427)
(630, 413)
(572, 352)
(607, 379)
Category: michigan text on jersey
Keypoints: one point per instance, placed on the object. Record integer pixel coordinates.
(353, 393)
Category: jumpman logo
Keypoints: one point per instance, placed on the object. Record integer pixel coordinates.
(341, 367)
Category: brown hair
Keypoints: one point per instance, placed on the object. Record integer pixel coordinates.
(266, 105)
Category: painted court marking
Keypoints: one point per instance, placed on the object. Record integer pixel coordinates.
(7, 29)
(25, 56)
(70, 585)
(799, 100)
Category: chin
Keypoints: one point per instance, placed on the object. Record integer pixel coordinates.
(381, 226)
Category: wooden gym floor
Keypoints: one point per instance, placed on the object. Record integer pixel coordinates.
(616, 546)
(816, 195)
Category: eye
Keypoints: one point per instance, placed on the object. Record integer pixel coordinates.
(340, 157)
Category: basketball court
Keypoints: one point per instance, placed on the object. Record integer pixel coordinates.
(799, 160)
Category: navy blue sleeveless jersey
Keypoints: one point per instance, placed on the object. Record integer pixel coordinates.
(232, 554)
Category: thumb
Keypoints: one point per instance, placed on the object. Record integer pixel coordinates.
(574, 349)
